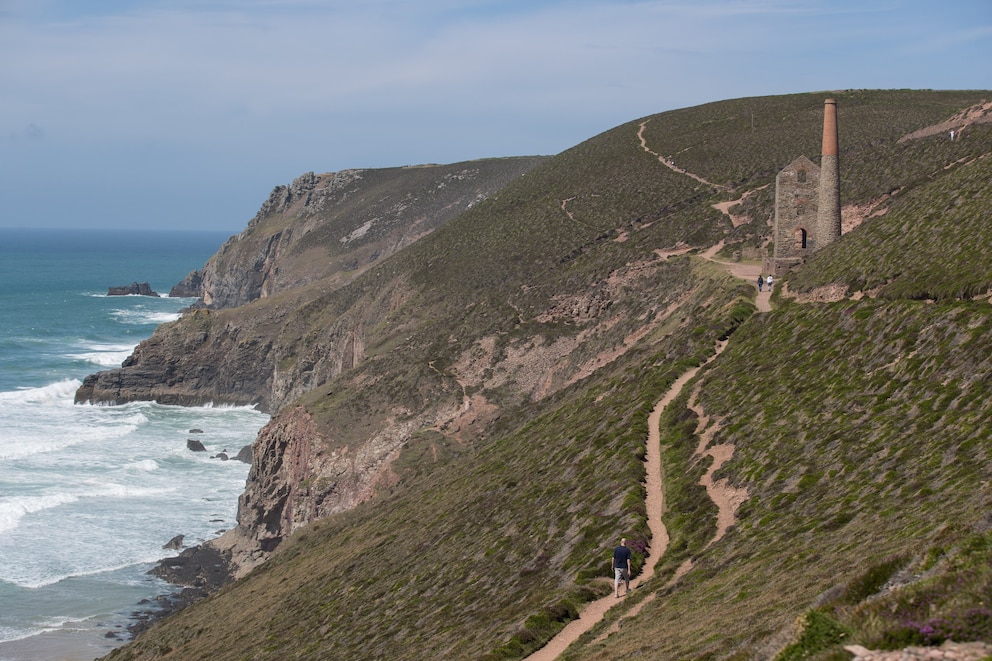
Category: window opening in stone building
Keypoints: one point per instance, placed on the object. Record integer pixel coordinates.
(801, 176)
(801, 237)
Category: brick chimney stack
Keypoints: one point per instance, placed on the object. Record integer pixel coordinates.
(828, 226)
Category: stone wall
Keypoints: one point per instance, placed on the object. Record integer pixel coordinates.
(796, 209)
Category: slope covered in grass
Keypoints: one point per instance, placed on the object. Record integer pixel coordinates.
(933, 244)
(859, 426)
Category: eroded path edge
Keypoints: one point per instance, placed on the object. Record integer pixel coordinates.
(595, 611)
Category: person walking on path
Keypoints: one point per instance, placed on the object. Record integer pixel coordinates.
(761, 282)
(768, 282)
(621, 567)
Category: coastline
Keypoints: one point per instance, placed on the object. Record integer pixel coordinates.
(94, 491)
(82, 644)
(195, 573)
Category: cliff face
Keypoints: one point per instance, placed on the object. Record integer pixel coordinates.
(309, 238)
(200, 359)
(300, 474)
(332, 227)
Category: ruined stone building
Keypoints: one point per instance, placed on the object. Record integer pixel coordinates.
(807, 202)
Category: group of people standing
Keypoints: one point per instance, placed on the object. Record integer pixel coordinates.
(762, 282)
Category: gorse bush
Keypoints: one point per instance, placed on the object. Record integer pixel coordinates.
(818, 632)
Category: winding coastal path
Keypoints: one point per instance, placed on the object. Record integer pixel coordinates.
(745, 271)
(727, 498)
(667, 162)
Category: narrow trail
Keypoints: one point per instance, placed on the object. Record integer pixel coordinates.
(745, 271)
(726, 497)
(724, 207)
(669, 164)
(655, 504)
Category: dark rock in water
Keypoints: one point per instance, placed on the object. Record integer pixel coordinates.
(195, 445)
(198, 571)
(221, 455)
(198, 566)
(175, 543)
(195, 431)
(245, 454)
(133, 289)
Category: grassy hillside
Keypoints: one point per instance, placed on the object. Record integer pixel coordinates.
(861, 434)
(934, 246)
(859, 426)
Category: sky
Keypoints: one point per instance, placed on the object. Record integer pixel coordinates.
(185, 114)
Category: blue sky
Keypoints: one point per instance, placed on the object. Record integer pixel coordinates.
(185, 114)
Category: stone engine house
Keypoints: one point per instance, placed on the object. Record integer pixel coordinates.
(796, 209)
(807, 202)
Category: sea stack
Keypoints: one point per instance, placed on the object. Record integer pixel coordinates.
(828, 225)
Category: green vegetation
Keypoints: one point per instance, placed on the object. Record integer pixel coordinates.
(903, 254)
(859, 427)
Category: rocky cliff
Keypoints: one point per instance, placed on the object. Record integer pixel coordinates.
(332, 227)
(277, 319)
(308, 239)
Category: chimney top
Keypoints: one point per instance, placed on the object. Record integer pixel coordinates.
(830, 128)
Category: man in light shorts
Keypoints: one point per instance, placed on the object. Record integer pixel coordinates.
(621, 567)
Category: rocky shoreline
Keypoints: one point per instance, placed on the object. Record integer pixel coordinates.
(196, 572)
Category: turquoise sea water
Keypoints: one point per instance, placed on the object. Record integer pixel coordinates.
(89, 494)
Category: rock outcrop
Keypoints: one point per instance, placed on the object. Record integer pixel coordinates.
(308, 239)
(133, 289)
(195, 361)
(175, 543)
(299, 475)
(332, 227)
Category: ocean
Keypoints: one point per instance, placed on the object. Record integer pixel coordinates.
(90, 494)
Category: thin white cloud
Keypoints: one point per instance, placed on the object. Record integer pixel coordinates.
(257, 87)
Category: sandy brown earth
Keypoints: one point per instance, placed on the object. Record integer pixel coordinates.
(726, 498)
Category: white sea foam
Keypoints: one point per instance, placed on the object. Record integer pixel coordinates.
(104, 355)
(111, 483)
(104, 358)
(52, 393)
(142, 316)
(144, 465)
(37, 421)
(40, 578)
(13, 509)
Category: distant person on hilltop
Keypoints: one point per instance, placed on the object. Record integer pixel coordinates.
(621, 567)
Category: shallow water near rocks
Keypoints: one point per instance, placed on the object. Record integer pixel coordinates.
(90, 494)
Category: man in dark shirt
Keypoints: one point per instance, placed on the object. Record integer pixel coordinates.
(621, 567)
